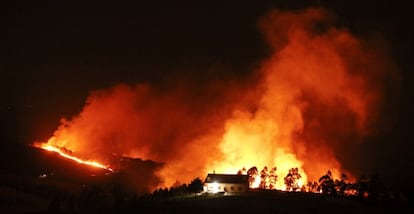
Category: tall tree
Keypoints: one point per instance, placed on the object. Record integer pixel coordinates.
(292, 179)
(272, 178)
(241, 171)
(327, 184)
(252, 173)
(341, 184)
(196, 185)
(263, 178)
(313, 186)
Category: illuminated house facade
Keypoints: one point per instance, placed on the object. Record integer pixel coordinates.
(226, 183)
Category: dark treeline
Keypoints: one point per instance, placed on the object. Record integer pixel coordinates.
(119, 198)
(366, 186)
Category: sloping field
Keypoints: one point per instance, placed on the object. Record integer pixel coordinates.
(275, 202)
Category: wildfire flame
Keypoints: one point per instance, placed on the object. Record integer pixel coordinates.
(318, 92)
(64, 154)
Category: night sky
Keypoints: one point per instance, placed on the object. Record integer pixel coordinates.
(56, 52)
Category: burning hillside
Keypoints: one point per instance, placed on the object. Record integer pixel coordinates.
(67, 154)
(318, 92)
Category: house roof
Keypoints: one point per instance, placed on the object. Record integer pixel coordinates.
(227, 178)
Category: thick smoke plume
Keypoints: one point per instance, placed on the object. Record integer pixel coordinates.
(318, 92)
(178, 126)
(321, 92)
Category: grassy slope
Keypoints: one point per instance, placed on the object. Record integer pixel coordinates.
(274, 202)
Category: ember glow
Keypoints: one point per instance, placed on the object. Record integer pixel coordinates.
(64, 154)
(318, 92)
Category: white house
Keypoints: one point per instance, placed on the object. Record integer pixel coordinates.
(226, 183)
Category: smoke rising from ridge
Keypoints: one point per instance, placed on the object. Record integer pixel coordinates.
(318, 91)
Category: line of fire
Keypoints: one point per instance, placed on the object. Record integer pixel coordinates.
(241, 182)
(285, 127)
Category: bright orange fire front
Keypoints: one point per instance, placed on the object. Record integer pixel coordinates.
(64, 154)
(314, 97)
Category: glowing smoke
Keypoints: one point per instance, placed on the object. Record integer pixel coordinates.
(318, 92)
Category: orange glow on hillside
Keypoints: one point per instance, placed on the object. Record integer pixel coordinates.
(317, 93)
(64, 154)
(251, 142)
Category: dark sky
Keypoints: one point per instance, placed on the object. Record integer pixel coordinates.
(56, 52)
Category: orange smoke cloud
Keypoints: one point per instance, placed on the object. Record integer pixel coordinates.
(173, 127)
(318, 92)
(321, 89)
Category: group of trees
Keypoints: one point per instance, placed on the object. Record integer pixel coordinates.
(266, 179)
(118, 198)
(365, 186)
(179, 190)
(292, 180)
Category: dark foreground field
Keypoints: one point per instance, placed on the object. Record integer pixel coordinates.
(72, 189)
(275, 202)
(17, 201)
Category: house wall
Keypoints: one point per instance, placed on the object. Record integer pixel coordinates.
(225, 187)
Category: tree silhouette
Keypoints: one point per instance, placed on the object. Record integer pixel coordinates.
(196, 185)
(362, 186)
(263, 178)
(252, 173)
(291, 179)
(313, 186)
(327, 184)
(341, 184)
(241, 171)
(272, 178)
(370, 187)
